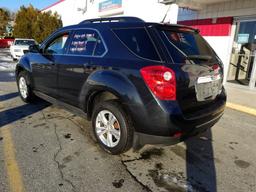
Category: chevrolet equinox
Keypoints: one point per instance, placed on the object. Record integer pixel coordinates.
(138, 82)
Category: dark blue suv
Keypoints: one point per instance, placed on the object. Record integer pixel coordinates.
(140, 83)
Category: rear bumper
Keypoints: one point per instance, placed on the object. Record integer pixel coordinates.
(141, 139)
(162, 122)
(17, 55)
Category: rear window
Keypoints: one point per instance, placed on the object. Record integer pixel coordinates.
(24, 42)
(183, 44)
(138, 41)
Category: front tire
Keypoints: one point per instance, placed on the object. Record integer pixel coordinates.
(24, 88)
(112, 127)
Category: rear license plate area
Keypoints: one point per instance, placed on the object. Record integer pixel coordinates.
(208, 87)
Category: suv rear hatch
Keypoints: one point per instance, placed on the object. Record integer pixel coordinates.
(199, 71)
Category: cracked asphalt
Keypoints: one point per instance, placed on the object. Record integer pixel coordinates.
(47, 149)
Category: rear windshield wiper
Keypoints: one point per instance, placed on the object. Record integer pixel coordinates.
(199, 57)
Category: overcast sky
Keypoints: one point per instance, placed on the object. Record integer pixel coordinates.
(15, 4)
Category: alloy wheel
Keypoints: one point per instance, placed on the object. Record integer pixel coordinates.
(108, 128)
(23, 87)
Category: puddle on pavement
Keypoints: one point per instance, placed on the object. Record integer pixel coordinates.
(67, 159)
(67, 136)
(173, 181)
(62, 166)
(118, 184)
(169, 181)
(242, 164)
(61, 184)
(151, 152)
(233, 143)
(36, 149)
(39, 125)
(159, 166)
(77, 153)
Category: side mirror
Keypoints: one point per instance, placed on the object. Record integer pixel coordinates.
(34, 49)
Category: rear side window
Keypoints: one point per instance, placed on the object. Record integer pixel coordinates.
(86, 42)
(138, 41)
(181, 44)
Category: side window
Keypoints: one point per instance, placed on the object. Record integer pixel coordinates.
(86, 42)
(138, 41)
(57, 46)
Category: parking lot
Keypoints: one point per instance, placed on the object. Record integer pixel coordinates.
(45, 148)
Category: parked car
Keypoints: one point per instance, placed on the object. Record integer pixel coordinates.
(6, 42)
(20, 46)
(138, 82)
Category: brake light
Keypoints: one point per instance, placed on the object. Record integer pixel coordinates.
(185, 29)
(215, 67)
(161, 81)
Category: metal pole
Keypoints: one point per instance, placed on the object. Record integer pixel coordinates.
(253, 74)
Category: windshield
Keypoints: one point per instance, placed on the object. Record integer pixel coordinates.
(187, 45)
(24, 42)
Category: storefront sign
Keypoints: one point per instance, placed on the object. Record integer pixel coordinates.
(108, 5)
(243, 38)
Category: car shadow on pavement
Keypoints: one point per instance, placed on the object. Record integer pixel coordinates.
(11, 115)
(200, 163)
(8, 96)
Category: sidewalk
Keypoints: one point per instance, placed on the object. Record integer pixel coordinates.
(241, 99)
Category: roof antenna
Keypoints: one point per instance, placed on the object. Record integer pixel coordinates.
(166, 13)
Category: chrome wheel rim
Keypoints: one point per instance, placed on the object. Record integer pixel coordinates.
(108, 128)
(23, 87)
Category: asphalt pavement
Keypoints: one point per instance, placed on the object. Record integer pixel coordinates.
(47, 149)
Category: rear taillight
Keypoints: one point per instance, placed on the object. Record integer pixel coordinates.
(161, 81)
(216, 67)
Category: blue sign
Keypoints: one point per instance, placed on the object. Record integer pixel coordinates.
(109, 5)
(243, 38)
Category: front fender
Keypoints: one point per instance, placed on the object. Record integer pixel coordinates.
(24, 65)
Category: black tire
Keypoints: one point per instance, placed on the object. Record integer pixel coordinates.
(30, 95)
(124, 122)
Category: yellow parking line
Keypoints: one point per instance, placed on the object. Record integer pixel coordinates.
(242, 108)
(12, 168)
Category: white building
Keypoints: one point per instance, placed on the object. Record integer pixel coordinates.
(74, 11)
(228, 25)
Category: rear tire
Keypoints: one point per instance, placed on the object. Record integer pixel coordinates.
(25, 90)
(112, 127)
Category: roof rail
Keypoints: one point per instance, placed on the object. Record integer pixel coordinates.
(113, 19)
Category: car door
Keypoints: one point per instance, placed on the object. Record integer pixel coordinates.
(44, 66)
(85, 46)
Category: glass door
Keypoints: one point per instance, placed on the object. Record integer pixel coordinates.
(243, 52)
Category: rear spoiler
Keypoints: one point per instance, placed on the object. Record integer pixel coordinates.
(177, 27)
